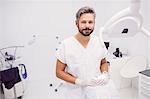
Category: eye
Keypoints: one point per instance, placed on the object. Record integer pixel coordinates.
(91, 22)
(83, 22)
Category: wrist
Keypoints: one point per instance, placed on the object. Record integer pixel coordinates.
(104, 72)
(78, 81)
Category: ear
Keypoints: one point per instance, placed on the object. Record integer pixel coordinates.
(76, 21)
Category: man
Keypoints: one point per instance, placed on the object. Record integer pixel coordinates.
(81, 60)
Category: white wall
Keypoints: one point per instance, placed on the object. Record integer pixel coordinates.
(1, 13)
(46, 19)
(147, 24)
(145, 6)
(49, 18)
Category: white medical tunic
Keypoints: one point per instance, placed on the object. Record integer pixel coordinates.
(83, 63)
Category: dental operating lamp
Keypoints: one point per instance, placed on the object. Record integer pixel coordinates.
(126, 23)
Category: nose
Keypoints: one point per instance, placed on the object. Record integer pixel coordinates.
(87, 24)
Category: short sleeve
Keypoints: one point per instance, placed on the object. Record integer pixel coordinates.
(60, 53)
(104, 49)
(105, 52)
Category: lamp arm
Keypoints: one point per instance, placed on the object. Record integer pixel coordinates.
(133, 10)
(116, 17)
(145, 31)
(135, 6)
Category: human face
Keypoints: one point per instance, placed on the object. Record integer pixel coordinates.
(86, 24)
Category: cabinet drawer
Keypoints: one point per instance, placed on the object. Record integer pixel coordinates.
(145, 79)
(144, 96)
(145, 85)
(145, 91)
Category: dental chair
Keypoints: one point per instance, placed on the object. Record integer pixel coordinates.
(131, 69)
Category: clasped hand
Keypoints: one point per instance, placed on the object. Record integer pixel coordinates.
(101, 80)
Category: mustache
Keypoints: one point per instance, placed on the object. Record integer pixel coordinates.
(87, 29)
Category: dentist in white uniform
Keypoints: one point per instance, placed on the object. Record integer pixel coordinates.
(81, 62)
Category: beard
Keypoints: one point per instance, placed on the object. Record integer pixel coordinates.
(86, 31)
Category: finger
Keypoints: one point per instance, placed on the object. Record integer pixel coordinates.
(100, 82)
(91, 83)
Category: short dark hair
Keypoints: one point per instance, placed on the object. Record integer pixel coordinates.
(84, 10)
